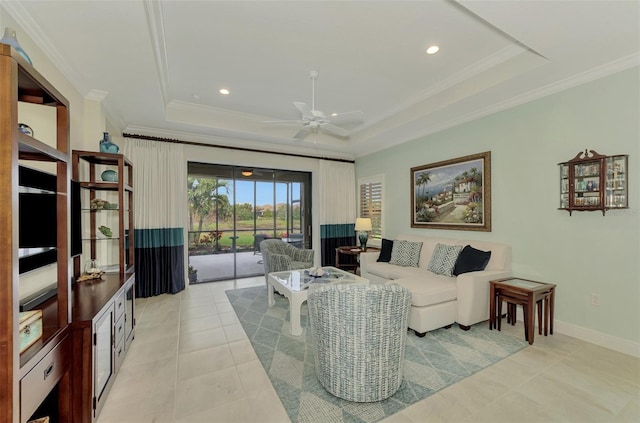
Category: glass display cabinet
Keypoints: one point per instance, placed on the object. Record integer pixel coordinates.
(592, 181)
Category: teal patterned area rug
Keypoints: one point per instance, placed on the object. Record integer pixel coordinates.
(441, 358)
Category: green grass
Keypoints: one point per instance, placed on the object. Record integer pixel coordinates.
(245, 239)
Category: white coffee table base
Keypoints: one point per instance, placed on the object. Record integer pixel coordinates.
(296, 298)
(289, 285)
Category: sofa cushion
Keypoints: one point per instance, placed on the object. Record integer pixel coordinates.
(471, 260)
(380, 269)
(429, 289)
(398, 272)
(392, 271)
(385, 251)
(405, 253)
(444, 259)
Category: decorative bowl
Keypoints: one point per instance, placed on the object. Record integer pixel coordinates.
(109, 176)
(25, 129)
(316, 273)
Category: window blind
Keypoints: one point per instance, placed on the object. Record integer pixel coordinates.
(371, 205)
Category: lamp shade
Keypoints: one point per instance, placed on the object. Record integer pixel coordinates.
(363, 224)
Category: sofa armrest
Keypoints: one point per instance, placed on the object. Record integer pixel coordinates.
(365, 258)
(473, 295)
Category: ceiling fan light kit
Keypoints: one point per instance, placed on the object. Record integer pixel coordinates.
(314, 120)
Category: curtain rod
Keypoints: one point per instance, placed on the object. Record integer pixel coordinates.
(253, 150)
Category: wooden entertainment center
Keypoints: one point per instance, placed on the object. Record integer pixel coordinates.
(86, 326)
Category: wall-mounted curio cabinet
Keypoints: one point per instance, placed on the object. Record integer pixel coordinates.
(592, 181)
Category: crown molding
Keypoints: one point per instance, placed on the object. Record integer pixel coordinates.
(29, 25)
(590, 75)
(465, 74)
(615, 66)
(155, 20)
(239, 142)
(96, 95)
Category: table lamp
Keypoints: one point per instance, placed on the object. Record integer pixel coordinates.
(363, 226)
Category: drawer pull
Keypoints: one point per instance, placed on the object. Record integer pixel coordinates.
(27, 330)
(119, 351)
(48, 371)
(119, 305)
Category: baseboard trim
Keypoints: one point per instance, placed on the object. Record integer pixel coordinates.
(589, 335)
(599, 338)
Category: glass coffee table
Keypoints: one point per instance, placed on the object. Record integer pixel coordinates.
(294, 285)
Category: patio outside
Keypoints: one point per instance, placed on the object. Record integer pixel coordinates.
(224, 236)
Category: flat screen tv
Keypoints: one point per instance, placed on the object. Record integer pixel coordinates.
(38, 224)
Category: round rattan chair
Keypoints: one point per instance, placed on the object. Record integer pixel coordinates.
(360, 334)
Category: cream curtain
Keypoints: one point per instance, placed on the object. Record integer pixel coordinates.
(159, 215)
(337, 207)
(337, 192)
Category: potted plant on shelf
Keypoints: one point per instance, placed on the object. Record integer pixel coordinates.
(193, 274)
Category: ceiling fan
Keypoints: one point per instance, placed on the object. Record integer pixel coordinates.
(313, 119)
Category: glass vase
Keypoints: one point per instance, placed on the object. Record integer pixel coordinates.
(92, 267)
(10, 39)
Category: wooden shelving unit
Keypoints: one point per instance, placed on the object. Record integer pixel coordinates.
(87, 168)
(103, 309)
(22, 387)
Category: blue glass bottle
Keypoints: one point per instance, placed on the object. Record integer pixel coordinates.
(106, 146)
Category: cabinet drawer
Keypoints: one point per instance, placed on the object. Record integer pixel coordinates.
(119, 305)
(36, 385)
(119, 330)
(120, 353)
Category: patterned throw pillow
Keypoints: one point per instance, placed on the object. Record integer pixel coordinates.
(406, 253)
(444, 259)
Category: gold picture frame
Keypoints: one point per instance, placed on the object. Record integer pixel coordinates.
(453, 194)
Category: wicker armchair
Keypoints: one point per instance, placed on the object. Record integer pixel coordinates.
(278, 256)
(360, 334)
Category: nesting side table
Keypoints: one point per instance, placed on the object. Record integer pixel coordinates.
(527, 293)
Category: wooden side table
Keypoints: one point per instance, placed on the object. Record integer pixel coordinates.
(351, 251)
(528, 294)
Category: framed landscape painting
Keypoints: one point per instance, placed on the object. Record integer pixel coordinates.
(453, 194)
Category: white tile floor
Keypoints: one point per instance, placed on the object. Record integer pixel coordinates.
(191, 362)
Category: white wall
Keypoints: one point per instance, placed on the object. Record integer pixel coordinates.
(583, 254)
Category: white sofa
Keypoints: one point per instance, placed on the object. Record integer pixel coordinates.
(439, 301)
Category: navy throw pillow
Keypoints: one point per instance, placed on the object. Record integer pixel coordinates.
(471, 260)
(385, 251)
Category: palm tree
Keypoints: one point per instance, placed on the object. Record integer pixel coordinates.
(205, 197)
(423, 180)
(476, 176)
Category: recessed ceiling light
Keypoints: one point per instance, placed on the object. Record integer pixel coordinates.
(224, 91)
(196, 97)
(433, 49)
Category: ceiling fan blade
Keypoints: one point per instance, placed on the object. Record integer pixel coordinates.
(335, 115)
(304, 109)
(302, 132)
(336, 130)
(282, 121)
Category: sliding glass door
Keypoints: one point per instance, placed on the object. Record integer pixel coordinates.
(233, 208)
